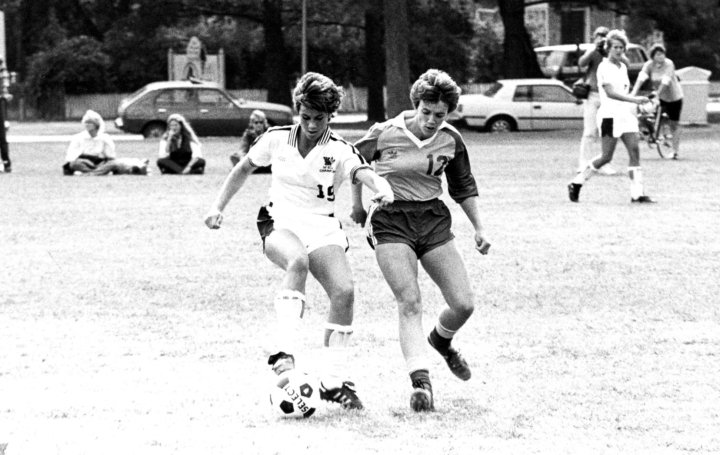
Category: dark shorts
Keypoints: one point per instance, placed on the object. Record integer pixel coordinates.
(423, 226)
(672, 109)
(265, 223)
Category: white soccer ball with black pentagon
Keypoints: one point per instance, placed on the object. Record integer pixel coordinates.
(295, 395)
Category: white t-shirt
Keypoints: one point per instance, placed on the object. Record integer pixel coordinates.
(101, 146)
(305, 185)
(609, 73)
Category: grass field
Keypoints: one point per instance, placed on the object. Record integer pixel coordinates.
(127, 327)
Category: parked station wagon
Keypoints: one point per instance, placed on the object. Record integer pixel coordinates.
(211, 110)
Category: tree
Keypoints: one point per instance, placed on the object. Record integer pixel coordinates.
(396, 56)
(374, 61)
(519, 59)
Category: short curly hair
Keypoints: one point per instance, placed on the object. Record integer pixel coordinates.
(615, 35)
(434, 86)
(655, 48)
(318, 92)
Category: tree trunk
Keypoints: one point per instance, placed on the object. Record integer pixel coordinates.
(276, 71)
(374, 61)
(519, 59)
(397, 62)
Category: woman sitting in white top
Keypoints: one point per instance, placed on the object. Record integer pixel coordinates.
(89, 149)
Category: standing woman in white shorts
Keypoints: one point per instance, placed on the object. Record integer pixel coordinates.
(299, 231)
(615, 120)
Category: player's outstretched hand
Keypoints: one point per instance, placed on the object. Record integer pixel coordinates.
(213, 219)
(359, 215)
(481, 243)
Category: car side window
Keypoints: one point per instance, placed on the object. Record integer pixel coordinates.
(174, 96)
(522, 94)
(214, 97)
(551, 94)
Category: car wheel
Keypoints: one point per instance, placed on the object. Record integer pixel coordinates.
(501, 125)
(154, 130)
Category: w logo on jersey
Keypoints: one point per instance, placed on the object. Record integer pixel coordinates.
(328, 166)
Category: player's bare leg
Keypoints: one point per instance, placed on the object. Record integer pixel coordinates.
(284, 249)
(446, 268)
(330, 267)
(398, 263)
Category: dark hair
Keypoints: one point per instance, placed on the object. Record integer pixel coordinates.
(318, 92)
(655, 48)
(435, 86)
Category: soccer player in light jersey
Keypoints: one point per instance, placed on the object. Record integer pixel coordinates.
(615, 120)
(298, 228)
(412, 154)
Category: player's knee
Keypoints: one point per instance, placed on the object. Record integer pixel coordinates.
(298, 263)
(343, 296)
(410, 306)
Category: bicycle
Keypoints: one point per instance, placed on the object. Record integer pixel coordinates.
(655, 127)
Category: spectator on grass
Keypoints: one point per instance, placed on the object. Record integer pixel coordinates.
(413, 153)
(89, 149)
(666, 86)
(615, 120)
(257, 126)
(588, 143)
(180, 150)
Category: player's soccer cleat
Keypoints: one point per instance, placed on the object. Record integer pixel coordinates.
(457, 364)
(281, 362)
(7, 167)
(574, 191)
(345, 396)
(643, 200)
(421, 399)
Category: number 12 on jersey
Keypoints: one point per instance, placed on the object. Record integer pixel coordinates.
(431, 163)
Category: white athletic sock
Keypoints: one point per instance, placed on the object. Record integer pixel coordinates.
(417, 363)
(335, 354)
(636, 182)
(585, 175)
(289, 308)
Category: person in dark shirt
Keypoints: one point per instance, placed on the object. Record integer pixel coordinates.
(180, 151)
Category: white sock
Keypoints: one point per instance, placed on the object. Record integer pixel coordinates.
(585, 175)
(636, 182)
(289, 308)
(335, 354)
(417, 363)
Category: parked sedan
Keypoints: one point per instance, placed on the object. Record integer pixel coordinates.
(211, 110)
(520, 104)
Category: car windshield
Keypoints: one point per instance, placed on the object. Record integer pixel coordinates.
(492, 91)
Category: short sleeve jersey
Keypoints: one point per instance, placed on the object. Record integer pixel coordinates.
(414, 168)
(309, 184)
(664, 74)
(616, 76)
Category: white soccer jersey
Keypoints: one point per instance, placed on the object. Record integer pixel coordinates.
(309, 184)
(609, 73)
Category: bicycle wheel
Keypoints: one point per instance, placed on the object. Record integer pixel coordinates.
(663, 137)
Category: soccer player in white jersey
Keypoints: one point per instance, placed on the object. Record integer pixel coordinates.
(412, 154)
(615, 120)
(298, 228)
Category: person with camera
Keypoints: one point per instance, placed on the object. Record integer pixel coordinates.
(591, 59)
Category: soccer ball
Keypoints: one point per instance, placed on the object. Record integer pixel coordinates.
(295, 395)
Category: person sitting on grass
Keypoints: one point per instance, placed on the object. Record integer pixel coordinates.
(257, 126)
(180, 150)
(89, 149)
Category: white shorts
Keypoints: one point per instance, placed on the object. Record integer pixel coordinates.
(314, 231)
(618, 125)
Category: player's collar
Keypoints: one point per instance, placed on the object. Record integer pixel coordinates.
(294, 137)
(399, 121)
